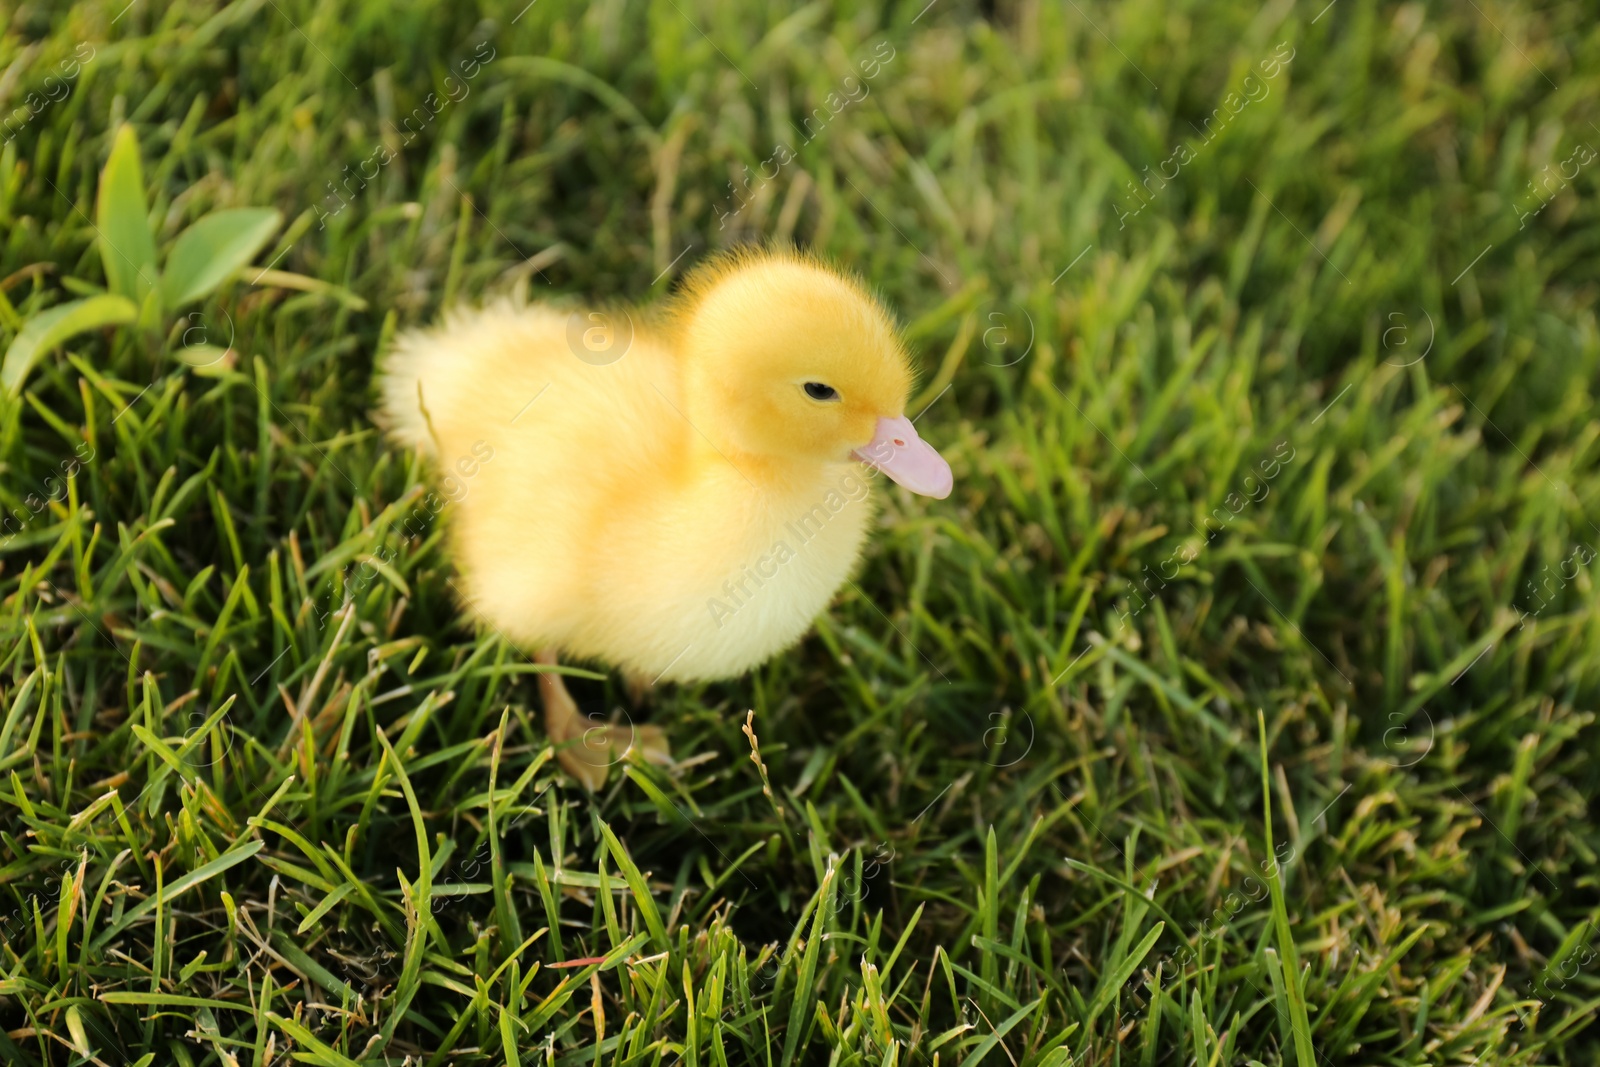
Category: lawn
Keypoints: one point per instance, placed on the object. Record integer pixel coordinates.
(1237, 707)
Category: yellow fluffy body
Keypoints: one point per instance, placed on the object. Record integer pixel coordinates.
(683, 512)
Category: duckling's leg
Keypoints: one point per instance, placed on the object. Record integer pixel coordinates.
(587, 749)
(638, 686)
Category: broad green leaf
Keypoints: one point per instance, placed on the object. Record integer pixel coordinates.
(127, 248)
(49, 328)
(150, 311)
(212, 249)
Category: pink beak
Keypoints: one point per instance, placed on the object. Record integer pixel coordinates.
(897, 451)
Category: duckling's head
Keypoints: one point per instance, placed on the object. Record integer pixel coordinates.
(787, 359)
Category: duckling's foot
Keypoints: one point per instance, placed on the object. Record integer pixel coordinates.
(587, 748)
(613, 742)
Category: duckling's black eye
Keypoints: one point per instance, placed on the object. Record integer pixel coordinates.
(818, 391)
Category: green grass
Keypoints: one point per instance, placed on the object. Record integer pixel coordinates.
(264, 798)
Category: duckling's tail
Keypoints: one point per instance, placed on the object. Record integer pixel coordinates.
(400, 404)
(439, 389)
(428, 374)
